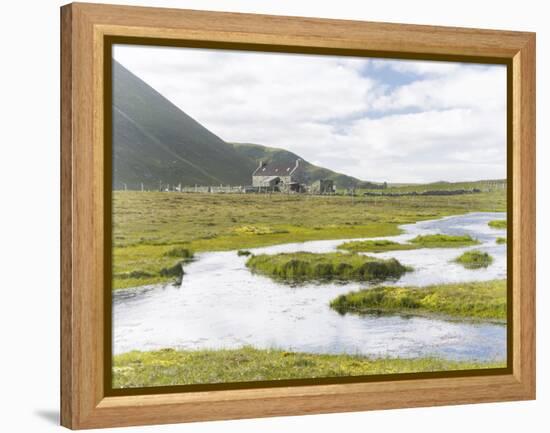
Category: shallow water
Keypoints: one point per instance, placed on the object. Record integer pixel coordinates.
(220, 304)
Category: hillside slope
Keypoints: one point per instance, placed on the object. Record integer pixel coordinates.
(154, 141)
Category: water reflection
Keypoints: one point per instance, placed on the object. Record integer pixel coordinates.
(220, 304)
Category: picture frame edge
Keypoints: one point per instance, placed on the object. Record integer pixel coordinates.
(83, 403)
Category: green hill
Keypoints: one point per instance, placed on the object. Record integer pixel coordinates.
(154, 143)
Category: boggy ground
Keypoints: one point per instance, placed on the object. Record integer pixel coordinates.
(157, 231)
(173, 367)
(148, 225)
(303, 266)
(425, 241)
(476, 300)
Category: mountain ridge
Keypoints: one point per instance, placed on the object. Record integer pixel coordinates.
(155, 144)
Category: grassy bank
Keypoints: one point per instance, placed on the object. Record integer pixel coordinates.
(443, 241)
(303, 266)
(425, 241)
(146, 225)
(477, 300)
(375, 246)
(474, 259)
(171, 367)
(149, 265)
(497, 224)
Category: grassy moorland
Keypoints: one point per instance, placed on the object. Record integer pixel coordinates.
(475, 300)
(497, 224)
(480, 185)
(172, 367)
(474, 259)
(303, 266)
(146, 225)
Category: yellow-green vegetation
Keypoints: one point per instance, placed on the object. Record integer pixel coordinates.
(477, 300)
(303, 266)
(421, 241)
(164, 265)
(474, 259)
(479, 185)
(443, 241)
(375, 246)
(497, 224)
(171, 367)
(148, 224)
(501, 240)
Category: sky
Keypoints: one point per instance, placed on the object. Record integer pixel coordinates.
(375, 119)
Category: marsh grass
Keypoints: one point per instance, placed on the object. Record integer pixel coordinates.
(180, 252)
(302, 266)
(259, 230)
(142, 267)
(443, 241)
(474, 259)
(172, 367)
(476, 300)
(146, 225)
(375, 246)
(420, 241)
(501, 241)
(497, 224)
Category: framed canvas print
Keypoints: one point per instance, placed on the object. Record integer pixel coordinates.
(270, 216)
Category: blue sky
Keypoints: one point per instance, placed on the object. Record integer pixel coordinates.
(376, 119)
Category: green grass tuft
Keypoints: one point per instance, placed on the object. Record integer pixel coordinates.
(245, 253)
(180, 252)
(501, 241)
(476, 300)
(303, 266)
(375, 246)
(474, 259)
(444, 241)
(173, 367)
(497, 224)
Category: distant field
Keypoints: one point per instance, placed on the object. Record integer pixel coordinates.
(483, 185)
(147, 225)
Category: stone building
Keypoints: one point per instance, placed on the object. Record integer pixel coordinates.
(322, 186)
(279, 177)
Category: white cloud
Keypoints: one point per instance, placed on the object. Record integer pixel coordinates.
(446, 122)
(425, 68)
(466, 86)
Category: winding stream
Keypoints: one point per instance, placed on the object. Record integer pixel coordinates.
(220, 304)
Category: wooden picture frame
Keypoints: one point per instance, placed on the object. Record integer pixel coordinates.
(85, 31)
